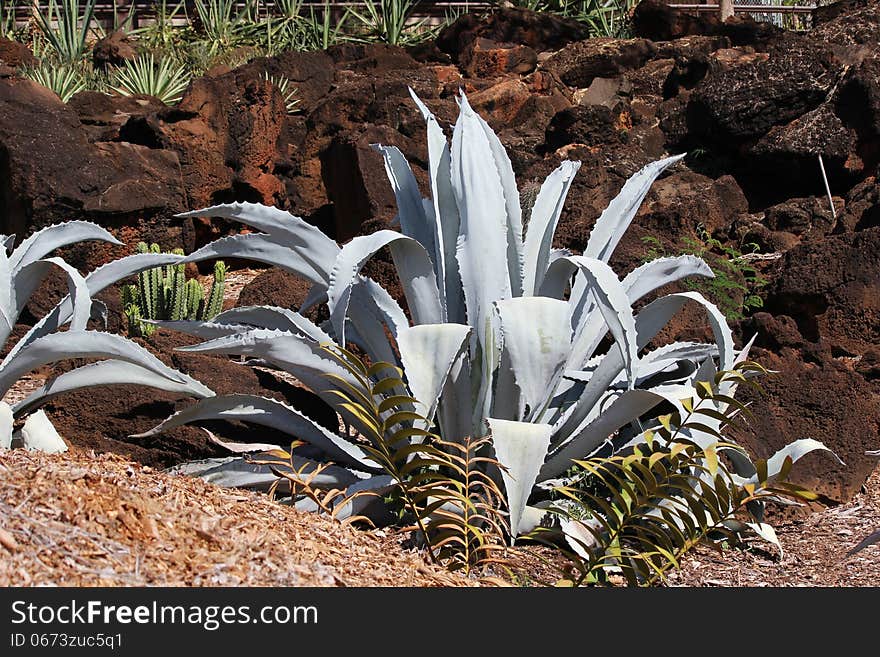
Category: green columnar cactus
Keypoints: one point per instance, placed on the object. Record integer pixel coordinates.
(215, 300)
(177, 302)
(165, 293)
(195, 300)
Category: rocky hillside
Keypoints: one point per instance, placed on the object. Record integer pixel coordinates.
(752, 105)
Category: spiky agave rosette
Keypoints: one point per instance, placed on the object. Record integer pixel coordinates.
(506, 331)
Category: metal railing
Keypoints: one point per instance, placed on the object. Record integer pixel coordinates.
(106, 11)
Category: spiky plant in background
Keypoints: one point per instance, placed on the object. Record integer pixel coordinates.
(67, 26)
(287, 90)
(164, 293)
(164, 78)
(65, 80)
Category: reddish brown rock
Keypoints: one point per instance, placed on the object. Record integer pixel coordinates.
(49, 172)
(826, 401)
(501, 102)
(102, 116)
(15, 54)
(832, 289)
(103, 418)
(578, 64)
(484, 58)
(115, 49)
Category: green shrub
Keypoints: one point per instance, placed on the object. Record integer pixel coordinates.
(737, 284)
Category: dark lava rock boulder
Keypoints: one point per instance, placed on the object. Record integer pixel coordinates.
(791, 152)
(50, 172)
(862, 209)
(115, 49)
(594, 125)
(539, 31)
(578, 64)
(657, 21)
(102, 116)
(857, 103)
(848, 23)
(808, 218)
(744, 102)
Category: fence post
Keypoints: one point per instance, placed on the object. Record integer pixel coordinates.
(725, 9)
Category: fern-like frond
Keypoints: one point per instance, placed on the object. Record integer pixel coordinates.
(637, 513)
(442, 486)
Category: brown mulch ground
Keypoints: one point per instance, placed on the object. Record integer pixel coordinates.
(814, 551)
(78, 519)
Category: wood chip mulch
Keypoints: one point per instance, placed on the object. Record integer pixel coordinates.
(80, 519)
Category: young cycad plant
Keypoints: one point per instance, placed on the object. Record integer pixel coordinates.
(22, 269)
(439, 488)
(285, 88)
(638, 513)
(506, 334)
(164, 79)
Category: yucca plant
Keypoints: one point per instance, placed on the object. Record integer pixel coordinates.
(506, 333)
(164, 79)
(65, 80)
(318, 30)
(639, 513)
(285, 88)
(67, 26)
(7, 21)
(22, 269)
(223, 25)
(390, 21)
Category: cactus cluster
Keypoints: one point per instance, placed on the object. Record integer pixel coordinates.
(165, 293)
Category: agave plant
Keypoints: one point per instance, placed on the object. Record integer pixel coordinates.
(391, 21)
(66, 80)
(164, 79)
(22, 269)
(505, 334)
(67, 26)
